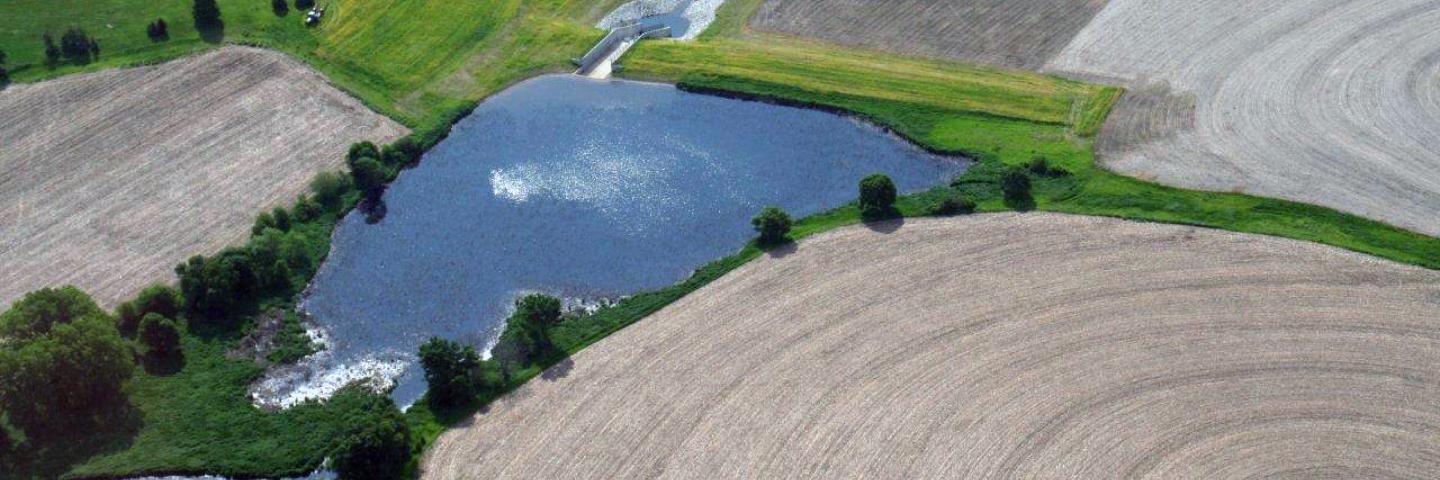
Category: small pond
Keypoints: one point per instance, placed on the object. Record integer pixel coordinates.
(580, 189)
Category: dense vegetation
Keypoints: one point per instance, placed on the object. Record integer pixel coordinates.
(773, 224)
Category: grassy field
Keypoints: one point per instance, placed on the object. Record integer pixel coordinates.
(420, 62)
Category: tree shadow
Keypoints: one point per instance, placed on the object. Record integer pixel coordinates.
(888, 225)
(70, 441)
(214, 33)
(1020, 204)
(163, 365)
(782, 250)
(559, 370)
(374, 210)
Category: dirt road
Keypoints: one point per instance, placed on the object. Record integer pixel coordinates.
(998, 346)
(107, 180)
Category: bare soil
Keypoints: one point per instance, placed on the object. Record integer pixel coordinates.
(998, 346)
(107, 180)
(1330, 102)
(1010, 33)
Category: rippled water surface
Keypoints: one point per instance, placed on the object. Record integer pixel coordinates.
(576, 188)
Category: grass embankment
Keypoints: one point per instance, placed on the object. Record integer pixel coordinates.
(418, 62)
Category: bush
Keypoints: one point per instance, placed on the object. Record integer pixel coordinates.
(772, 224)
(158, 299)
(215, 286)
(263, 221)
(282, 218)
(330, 187)
(877, 196)
(307, 209)
(369, 177)
(451, 370)
(953, 205)
(376, 444)
(52, 51)
(157, 30)
(160, 336)
(1015, 185)
(62, 361)
(1040, 166)
(280, 7)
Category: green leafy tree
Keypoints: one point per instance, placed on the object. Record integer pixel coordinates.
(263, 221)
(280, 7)
(160, 299)
(953, 205)
(306, 209)
(160, 336)
(376, 442)
(1015, 185)
(877, 196)
(526, 339)
(282, 218)
(214, 286)
(450, 370)
(361, 150)
(772, 224)
(207, 16)
(369, 177)
(61, 360)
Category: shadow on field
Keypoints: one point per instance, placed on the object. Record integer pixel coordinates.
(53, 449)
(889, 225)
(783, 250)
(560, 370)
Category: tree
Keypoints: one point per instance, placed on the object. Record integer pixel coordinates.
(159, 299)
(214, 286)
(369, 177)
(306, 208)
(62, 360)
(361, 150)
(450, 370)
(1015, 185)
(160, 336)
(401, 154)
(263, 221)
(207, 18)
(772, 224)
(877, 196)
(282, 218)
(280, 7)
(526, 338)
(376, 442)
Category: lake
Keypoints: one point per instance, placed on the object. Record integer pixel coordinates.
(578, 188)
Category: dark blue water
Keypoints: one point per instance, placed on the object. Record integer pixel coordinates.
(580, 188)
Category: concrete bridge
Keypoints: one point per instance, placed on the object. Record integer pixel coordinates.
(600, 60)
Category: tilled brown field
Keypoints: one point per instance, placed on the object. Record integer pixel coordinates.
(107, 180)
(998, 346)
(1331, 102)
(1012, 33)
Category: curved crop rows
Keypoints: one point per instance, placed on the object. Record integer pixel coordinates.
(107, 180)
(998, 346)
(1331, 102)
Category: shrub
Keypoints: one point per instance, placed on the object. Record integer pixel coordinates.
(877, 196)
(376, 444)
(78, 47)
(450, 370)
(282, 218)
(953, 205)
(280, 7)
(1015, 185)
(1040, 166)
(772, 224)
(216, 285)
(330, 187)
(157, 30)
(263, 221)
(307, 209)
(52, 51)
(160, 336)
